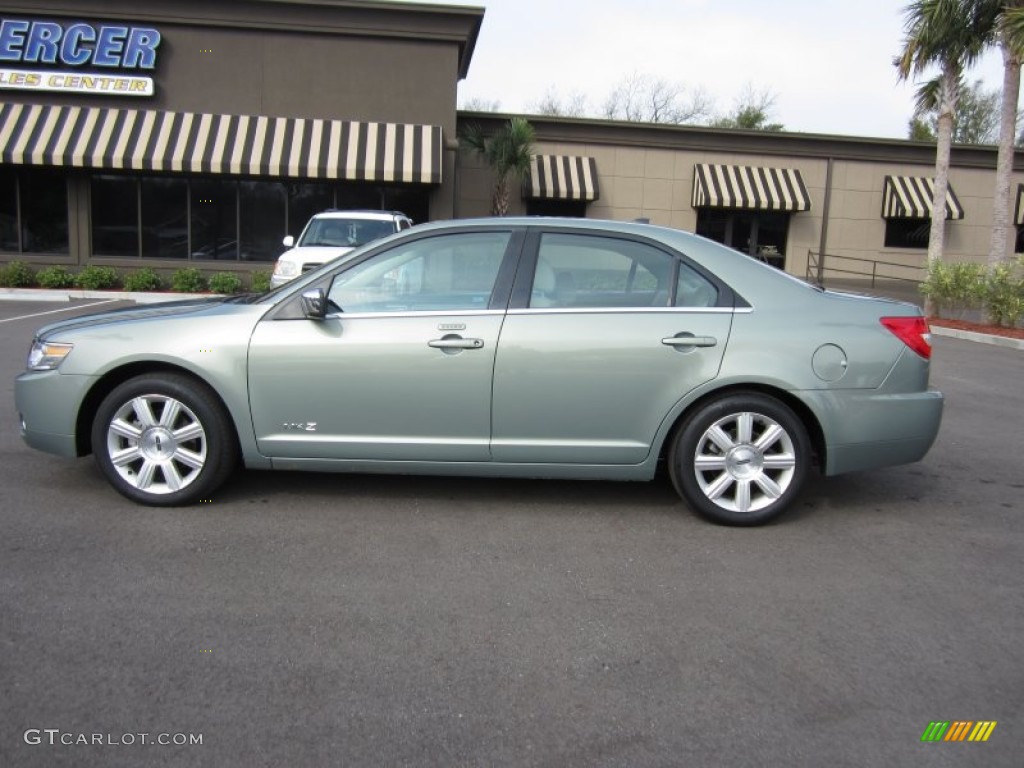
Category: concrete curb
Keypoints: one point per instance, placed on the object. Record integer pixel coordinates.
(981, 338)
(43, 294)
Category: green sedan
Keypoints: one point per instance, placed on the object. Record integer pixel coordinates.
(554, 348)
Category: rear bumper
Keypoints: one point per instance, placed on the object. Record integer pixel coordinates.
(866, 429)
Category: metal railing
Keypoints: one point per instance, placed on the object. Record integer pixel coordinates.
(856, 267)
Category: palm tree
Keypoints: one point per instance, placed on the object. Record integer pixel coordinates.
(952, 35)
(1009, 31)
(507, 151)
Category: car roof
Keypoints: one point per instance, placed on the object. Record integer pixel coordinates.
(334, 213)
(633, 227)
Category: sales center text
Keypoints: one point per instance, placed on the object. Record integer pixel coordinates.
(74, 82)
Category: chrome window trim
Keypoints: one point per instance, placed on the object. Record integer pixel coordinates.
(416, 313)
(629, 310)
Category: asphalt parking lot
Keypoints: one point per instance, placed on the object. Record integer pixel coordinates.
(307, 620)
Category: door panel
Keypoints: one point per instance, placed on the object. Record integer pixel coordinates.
(593, 388)
(401, 370)
(587, 371)
(374, 387)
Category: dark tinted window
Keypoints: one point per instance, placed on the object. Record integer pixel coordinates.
(8, 210)
(44, 210)
(164, 218)
(907, 233)
(115, 216)
(261, 220)
(214, 220)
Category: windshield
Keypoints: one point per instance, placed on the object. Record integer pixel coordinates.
(344, 233)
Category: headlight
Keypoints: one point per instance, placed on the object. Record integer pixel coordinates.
(286, 269)
(47, 355)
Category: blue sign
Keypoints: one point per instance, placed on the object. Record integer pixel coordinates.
(108, 46)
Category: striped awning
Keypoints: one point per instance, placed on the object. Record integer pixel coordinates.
(751, 188)
(562, 177)
(910, 197)
(148, 140)
(1019, 215)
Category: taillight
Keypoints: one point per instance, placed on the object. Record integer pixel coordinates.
(912, 331)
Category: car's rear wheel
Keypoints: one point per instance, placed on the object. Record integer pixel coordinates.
(741, 459)
(164, 440)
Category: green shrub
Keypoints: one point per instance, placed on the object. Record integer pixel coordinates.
(225, 282)
(144, 279)
(954, 287)
(260, 281)
(16, 275)
(1004, 292)
(54, 277)
(188, 280)
(94, 278)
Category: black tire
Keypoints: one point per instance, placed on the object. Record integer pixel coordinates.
(711, 462)
(173, 443)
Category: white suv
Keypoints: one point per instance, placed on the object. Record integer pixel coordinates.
(331, 234)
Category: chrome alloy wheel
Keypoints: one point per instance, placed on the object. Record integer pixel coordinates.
(744, 462)
(156, 444)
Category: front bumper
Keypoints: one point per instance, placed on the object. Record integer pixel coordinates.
(48, 403)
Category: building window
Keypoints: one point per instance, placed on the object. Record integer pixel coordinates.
(305, 199)
(214, 219)
(206, 219)
(576, 209)
(33, 210)
(907, 233)
(261, 220)
(413, 201)
(164, 218)
(758, 234)
(115, 216)
(9, 210)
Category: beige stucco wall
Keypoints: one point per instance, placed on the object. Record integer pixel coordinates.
(856, 227)
(657, 183)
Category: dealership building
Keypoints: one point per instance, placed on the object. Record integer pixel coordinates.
(200, 132)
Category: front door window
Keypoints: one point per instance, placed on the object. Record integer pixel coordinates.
(451, 273)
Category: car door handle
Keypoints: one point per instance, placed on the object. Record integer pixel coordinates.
(689, 340)
(456, 343)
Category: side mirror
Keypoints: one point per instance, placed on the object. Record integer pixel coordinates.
(288, 242)
(314, 304)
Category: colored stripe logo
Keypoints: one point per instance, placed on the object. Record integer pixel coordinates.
(958, 730)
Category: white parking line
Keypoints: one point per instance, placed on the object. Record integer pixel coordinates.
(54, 311)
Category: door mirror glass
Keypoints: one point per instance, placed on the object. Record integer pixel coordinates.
(314, 304)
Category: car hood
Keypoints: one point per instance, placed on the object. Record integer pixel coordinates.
(128, 314)
(316, 253)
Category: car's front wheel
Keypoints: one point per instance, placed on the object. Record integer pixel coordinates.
(741, 459)
(163, 440)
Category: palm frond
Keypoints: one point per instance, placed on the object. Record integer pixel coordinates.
(928, 97)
